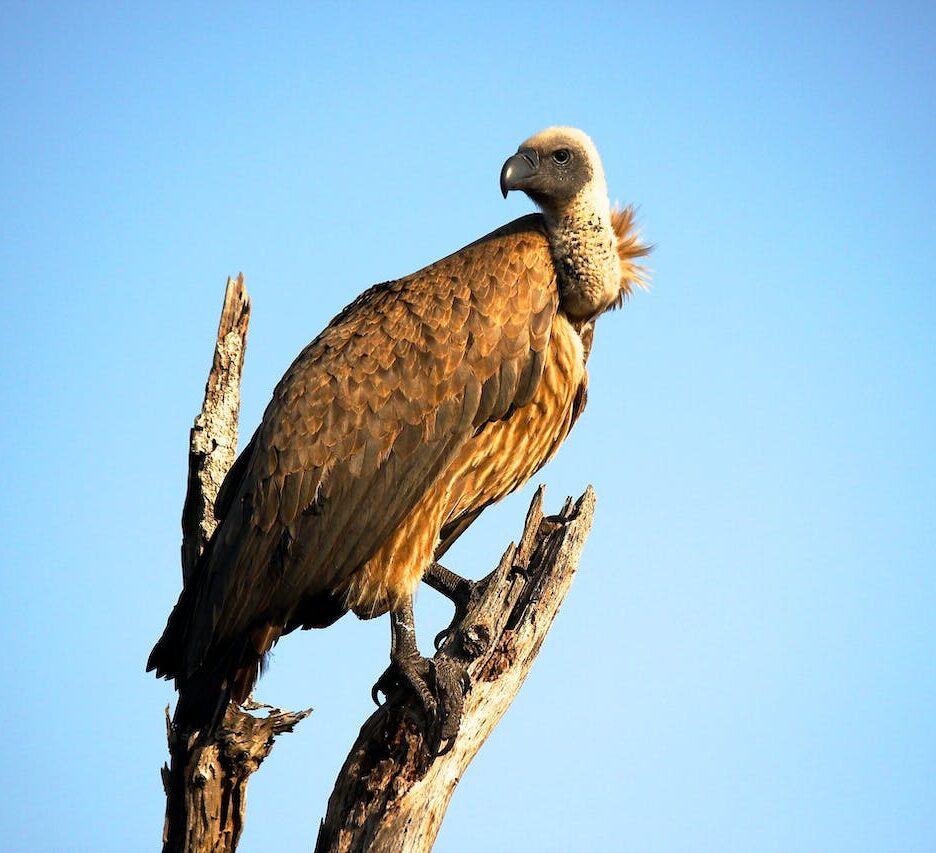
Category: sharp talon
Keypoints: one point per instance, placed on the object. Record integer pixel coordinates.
(440, 638)
(523, 571)
(386, 684)
(445, 746)
(460, 591)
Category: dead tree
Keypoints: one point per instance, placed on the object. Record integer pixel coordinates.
(393, 790)
(206, 782)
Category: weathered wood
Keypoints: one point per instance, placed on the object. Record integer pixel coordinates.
(206, 780)
(212, 788)
(391, 793)
(213, 439)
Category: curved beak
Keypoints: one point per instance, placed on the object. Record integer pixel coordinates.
(518, 170)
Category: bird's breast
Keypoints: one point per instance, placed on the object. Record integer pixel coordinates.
(500, 458)
(507, 453)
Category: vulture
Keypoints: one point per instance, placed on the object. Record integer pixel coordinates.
(423, 402)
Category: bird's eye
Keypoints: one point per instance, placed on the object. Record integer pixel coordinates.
(562, 156)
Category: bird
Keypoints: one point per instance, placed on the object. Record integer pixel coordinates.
(427, 399)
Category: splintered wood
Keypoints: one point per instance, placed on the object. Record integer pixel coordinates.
(206, 780)
(213, 439)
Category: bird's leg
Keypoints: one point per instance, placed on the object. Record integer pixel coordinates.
(406, 663)
(452, 586)
(440, 684)
(457, 589)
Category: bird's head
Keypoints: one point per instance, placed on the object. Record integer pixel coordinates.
(557, 168)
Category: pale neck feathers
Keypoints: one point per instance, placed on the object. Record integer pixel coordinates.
(594, 249)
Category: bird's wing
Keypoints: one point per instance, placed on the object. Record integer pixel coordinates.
(367, 417)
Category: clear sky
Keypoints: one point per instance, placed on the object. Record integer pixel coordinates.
(747, 660)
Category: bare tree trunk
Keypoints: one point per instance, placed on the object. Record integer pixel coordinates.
(213, 439)
(391, 793)
(206, 782)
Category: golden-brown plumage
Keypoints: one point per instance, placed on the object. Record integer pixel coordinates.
(425, 400)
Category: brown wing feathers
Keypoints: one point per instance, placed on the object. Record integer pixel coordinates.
(363, 422)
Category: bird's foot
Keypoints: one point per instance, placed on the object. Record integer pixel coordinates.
(409, 669)
(452, 685)
(462, 592)
(440, 685)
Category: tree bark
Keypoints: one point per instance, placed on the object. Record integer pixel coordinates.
(206, 781)
(391, 793)
(213, 439)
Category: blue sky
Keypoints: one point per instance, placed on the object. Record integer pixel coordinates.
(746, 659)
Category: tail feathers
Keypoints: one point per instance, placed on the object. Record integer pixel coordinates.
(253, 661)
(203, 677)
(205, 694)
(243, 681)
(187, 642)
(163, 659)
(203, 699)
(168, 655)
